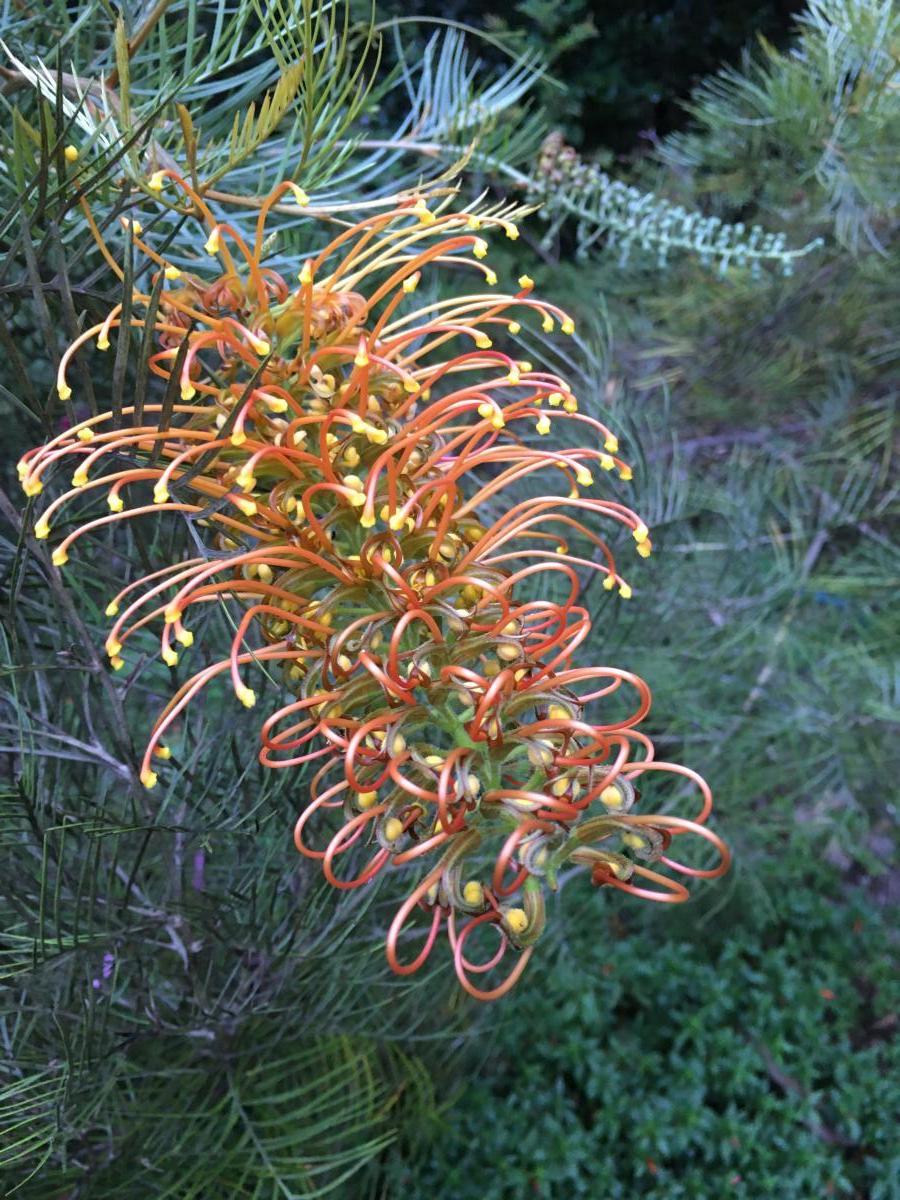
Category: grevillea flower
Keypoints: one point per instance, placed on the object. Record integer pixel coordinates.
(355, 461)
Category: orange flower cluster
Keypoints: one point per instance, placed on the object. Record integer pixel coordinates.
(352, 457)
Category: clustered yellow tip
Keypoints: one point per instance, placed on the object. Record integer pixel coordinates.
(516, 920)
(393, 828)
(611, 797)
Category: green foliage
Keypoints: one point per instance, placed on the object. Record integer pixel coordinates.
(650, 1062)
(178, 989)
(829, 108)
(617, 72)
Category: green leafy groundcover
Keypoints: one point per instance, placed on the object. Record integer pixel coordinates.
(673, 1064)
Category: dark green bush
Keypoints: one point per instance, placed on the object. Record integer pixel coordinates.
(752, 1056)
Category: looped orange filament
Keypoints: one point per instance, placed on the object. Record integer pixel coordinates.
(354, 461)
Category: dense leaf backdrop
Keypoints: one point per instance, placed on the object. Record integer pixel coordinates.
(183, 1005)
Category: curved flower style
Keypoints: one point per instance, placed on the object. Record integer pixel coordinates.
(350, 456)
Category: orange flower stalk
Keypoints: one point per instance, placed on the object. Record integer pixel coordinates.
(351, 456)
